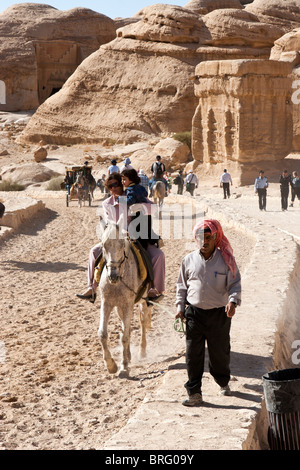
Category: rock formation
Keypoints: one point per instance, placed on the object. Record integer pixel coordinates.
(202, 7)
(282, 13)
(287, 49)
(27, 173)
(140, 83)
(41, 47)
(244, 113)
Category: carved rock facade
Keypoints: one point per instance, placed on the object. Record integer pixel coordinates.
(244, 112)
(41, 47)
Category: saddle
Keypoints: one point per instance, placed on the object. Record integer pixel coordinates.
(143, 262)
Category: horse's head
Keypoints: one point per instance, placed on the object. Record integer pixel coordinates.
(115, 249)
(80, 179)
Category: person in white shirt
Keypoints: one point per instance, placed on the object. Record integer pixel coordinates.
(208, 291)
(260, 187)
(225, 182)
(127, 165)
(191, 182)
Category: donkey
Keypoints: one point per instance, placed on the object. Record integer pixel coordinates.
(158, 192)
(119, 283)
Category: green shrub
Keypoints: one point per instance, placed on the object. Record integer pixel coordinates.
(8, 185)
(55, 184)
(184, 137)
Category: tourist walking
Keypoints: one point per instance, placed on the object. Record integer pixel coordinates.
(113, 168)
(285, 182)
(260, 186)
(144, 180)
(295, 188)
(208, 291)
(179, 182)
(127, 165)
(225, 182)
(191, 182)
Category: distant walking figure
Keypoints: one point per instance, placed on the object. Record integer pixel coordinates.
(260, 186)
(225, 181)
(285, 181)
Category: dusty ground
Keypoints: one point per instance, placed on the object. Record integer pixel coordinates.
(54, 390)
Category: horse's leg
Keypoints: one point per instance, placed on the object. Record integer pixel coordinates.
(125, 314)
(103, 335)
(145, 322)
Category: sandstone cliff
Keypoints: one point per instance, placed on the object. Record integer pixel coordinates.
(140, 83)
(287, 49)
(40, 47)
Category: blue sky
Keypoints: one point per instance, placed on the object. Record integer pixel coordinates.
(111, 8)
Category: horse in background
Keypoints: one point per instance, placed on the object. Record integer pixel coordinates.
(158, 193)
(119, 284)
(91, 184)
(81, 189)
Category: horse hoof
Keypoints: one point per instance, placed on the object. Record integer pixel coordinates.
(112, 367)
(142, 354)
(124, 374)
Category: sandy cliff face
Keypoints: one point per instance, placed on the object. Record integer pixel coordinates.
(140, 83)
(287, 49)
(40, 47)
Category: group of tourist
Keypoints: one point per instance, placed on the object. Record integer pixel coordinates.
(286, 182)
(261, 185)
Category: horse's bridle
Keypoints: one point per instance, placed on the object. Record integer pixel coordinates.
(118, 264)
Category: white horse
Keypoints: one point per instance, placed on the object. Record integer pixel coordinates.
(119, 283)
(158, 193)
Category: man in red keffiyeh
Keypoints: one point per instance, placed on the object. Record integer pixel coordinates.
(208, 291)
(221, 241)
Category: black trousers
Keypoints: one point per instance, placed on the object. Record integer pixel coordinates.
(262, 198)
(226, 190)
(284, 197)
(211, 326)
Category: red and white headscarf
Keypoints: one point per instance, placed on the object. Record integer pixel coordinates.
(221, 241)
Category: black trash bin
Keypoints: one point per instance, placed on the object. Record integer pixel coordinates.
(282, 396)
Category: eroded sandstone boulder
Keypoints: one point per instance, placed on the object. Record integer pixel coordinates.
(282, 13)
(40, 154)
(206, 6)
(27, 173)
(173, 153)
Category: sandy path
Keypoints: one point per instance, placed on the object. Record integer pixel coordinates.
(54, 390)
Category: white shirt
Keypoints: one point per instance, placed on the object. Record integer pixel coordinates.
(225, 178)
(192, 178)
(208, 283)
(261, 183)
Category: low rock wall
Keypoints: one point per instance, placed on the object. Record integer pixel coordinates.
(18, 209)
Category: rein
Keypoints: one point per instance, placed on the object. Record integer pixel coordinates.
(118, 264)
